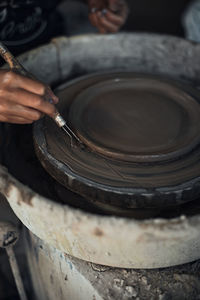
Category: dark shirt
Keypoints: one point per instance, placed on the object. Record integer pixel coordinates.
(28, 23)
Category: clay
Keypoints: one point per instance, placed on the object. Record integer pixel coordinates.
(136, 119)
(159, 170)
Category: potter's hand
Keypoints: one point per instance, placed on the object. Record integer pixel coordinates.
(108, 15)
(21, 99)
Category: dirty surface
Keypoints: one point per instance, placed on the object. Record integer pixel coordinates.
(181, 282)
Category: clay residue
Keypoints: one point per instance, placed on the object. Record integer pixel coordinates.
(25, 195)
(98, 232)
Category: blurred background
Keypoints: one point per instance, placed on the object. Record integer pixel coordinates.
(145, 16)
(156, 16)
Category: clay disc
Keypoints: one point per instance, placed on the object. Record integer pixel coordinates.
(142, 134)
(136, 119)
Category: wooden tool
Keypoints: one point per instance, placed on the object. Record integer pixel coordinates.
(17, 67)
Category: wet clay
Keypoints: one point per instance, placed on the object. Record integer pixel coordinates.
(142, 134)
(136, 119)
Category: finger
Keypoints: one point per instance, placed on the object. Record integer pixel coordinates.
(15, 120)
(114, 19)
(101, 27)
(52, 97)
(96, 22)
(93, 19)
(31, 100)
(19, 111)
(109, 26)
(119, 8)
(12, 79)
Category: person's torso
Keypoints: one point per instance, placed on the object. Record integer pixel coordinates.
(24, 23)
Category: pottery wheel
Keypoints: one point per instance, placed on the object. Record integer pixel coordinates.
(142, 134)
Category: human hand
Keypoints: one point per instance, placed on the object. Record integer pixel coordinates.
(108, 15)
(21, 99)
